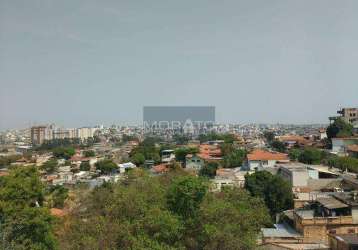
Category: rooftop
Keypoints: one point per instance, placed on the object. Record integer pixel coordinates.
(262, 155)
(281, 231)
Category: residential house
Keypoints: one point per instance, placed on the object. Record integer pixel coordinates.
(334, 214)
(123, 167)
(352, 150)
(209, 152)
(167, 155)
(260, 159)
(343, 241)
(340, 145)
(194, 162)
(294, 140)
(229, 177)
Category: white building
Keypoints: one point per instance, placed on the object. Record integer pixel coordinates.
(261, 159)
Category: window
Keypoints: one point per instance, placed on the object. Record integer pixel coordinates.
(332, 231)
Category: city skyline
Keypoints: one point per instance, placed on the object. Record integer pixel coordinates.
(85, 63)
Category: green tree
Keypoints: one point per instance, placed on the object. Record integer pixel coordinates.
(63, 152)
(278, 146)
(294, 154)
(89, 153)
(24, 223)
(172, 211)
(185, 195)
(57, 196)
(234, 159)
(209, 169)
(228, 214)
(226, 148)
(339, 128)
(106, 166)
(310, 156)
(138, 159)
(182, 152)
(269, 136)
(50, 166)
(276, 192)
(85, 166)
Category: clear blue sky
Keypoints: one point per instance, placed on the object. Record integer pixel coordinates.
(86, 62)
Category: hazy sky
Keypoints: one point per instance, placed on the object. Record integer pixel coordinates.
(86, 62)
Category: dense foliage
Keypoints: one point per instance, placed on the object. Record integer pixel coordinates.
(63, 152)
(275, 191)
(227, 138)
(234, 159)
(339, 128)
(173, 211)
(24, 222)
(209, 169)
(181, 153)
(343, 163)
(89, 153)
(106, 166)
(148, 149)
(85, 166)
(7, 160)
(50, 166)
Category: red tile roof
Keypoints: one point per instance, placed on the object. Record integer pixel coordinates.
(161, 168)
(209, 152)
(262, 155)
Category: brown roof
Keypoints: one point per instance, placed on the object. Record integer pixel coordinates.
(161, 168)
(262, 155)
(208, 152)
(353, 148)
(3, 173)
(297, 138)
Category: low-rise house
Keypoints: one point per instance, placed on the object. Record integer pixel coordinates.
(297, 174)
(229, 177)
(194, 162)
(294, 140)
(210, 152)
(260, 159)
(352, 150)
(343, 241)
(339, 145)
(125, 166)
(167, 155)
(333, 214)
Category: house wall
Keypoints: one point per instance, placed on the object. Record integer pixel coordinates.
(338, 145)
(194, 163)
(261, 164)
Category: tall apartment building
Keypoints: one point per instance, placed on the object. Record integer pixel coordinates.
(38, 135)
(84, 133)
(349, 114)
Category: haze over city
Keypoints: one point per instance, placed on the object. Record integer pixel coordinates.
(81, 63)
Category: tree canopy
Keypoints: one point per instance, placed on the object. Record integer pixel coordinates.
(172, 211)
(275, 191)
(339, 128)
(234, 159)
(24, 222)
(106, 166)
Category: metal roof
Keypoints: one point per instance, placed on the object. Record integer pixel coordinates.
(331, 203)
